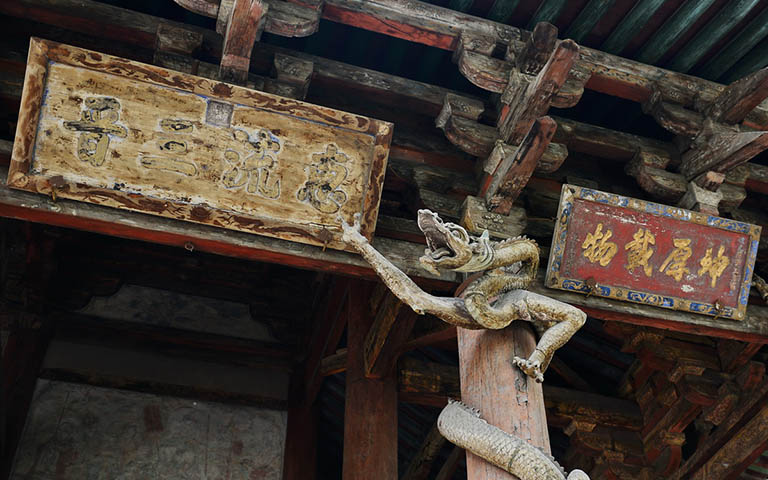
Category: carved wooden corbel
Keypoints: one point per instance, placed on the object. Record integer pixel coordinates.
(475, 58)
(291, 77)
(525, 101)
(241, 22)
(174, 47)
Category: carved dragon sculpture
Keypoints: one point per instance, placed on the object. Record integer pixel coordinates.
(492, 300)
(463, 426)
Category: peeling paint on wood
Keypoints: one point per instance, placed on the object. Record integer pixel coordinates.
(110, 131)
(618, 247)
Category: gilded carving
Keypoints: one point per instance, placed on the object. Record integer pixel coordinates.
(97, 124)
(325, 175)
(252, 165)
(714, 267)
(674, 265)
(640, 251)
(597, 248)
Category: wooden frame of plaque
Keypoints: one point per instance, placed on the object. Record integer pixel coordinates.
(124, 134)
(627, 249)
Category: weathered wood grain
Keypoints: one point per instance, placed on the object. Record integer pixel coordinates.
(243, 28)
(505, 396)
(515, 170)
(525, 101)
(721, 150)
(94, 218)
(370, 409)
(205, 152)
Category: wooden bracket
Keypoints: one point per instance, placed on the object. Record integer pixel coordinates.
(513, 173)
(537, 50)
(474, 57)
(244, 22)
(174, 47)
(719, 150)
(738, 99)
(525, 101)
(700, 199)
(291, 77)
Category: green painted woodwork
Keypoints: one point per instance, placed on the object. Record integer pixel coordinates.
(502, 10)
(756, 59)
(672, 29)
(587, 18)
(742, 43)
(732, 13)
(632, 23)
(548, 11)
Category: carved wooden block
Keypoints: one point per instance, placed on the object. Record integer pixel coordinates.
(612, 246)
(114, 132)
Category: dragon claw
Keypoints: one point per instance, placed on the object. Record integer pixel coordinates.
(532, 369)
(351, 233)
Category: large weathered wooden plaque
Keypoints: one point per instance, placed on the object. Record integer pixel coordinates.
(114, 132)
(619, 247)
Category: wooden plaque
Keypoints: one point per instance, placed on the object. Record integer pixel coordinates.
(627, 249)
(110, 131)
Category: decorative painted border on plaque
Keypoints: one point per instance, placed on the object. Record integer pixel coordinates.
(635, 278)
(114, 132)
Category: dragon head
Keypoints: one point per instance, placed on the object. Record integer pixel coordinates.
(449, 246)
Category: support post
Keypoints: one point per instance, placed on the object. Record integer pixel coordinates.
(370, 411)
(505, 396)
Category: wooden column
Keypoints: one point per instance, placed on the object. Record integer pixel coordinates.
(300, 458)
(370, 411)
(505, 396)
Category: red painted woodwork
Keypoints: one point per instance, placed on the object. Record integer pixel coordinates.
(370, 410)
(624, 224)
(505, 396)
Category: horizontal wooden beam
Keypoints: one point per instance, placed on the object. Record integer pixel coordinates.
(412, 20)
(98, 219)
(93, 218)
(437, 380)
(440, 27)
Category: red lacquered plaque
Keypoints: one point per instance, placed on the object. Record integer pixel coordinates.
(619, 247)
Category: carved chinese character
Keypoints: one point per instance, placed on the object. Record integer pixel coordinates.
(674, 265)
(597, 248)
(714, 266)
(253, 166)
(97, 124)
(325, 176)
(172, 149)
(640, 251)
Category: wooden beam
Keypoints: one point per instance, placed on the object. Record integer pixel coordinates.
(746, 445)
(329, 327)
(747, 409)
(370, 411)
(383, 344)
(94, 218)
(720, 151)
(538, 49)
(525, 101)
(505, 396)
(425, 456)
(300, 454)
(738, 99)
(415, 21)
(21, 362)
(243, 28)
(513, 173)
(449, 467)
